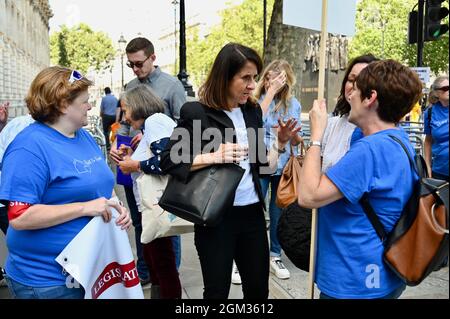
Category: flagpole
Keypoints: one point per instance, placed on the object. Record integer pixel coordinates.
(321, 94)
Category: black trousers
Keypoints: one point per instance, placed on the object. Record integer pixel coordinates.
(107, 121)
(4, 219)
(241, 236)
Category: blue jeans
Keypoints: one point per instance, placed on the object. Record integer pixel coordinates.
(136, 217)
(176, 242)
(393, 295)
(274, 212)
(19, 291)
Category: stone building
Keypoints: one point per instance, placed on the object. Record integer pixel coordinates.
(24, 48)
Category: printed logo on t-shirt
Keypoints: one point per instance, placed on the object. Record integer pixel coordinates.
(440, 123)
(84, 166)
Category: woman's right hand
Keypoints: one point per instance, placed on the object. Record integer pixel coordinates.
(230, 153)
(276, 84)
(100, 207)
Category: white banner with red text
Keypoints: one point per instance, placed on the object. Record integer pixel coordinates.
(100, 259)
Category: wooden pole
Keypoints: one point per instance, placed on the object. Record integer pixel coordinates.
(321, 94)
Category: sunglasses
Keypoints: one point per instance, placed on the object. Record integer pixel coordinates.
(138, 64)
(75, 76)
(443, 88)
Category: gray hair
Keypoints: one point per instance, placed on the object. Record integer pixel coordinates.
(142, 102)
(433, 97)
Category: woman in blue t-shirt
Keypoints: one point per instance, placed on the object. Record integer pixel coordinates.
(55, 180)
(274, 93)
(349, 251)
(436, 130)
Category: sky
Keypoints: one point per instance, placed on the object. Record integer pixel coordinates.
(147, 17)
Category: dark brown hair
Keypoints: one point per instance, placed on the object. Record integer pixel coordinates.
(138, 44)
(342, 106)
(230, 60)
(398, 88)
(49, 90)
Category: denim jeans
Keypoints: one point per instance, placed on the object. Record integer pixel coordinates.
(136, 217)
(176, 243)
(19, 291)
(393, 295)
(274, 211)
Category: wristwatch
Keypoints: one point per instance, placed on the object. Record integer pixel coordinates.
(315, 143)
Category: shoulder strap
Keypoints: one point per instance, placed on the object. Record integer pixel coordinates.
(368, 209)
(418, 165)
(373, 218)
(429, 114)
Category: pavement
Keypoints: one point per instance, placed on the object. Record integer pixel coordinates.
(435, 286)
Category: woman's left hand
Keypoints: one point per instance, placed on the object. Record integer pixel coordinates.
(128, 165)
(124, 219)
(288, 130)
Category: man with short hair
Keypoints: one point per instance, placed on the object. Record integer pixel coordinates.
(108, 109)
(141, 57)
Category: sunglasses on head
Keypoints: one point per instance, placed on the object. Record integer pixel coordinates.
(442, 88)
(138, 64)
(75, 76)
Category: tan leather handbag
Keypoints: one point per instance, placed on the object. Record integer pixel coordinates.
(287, 188)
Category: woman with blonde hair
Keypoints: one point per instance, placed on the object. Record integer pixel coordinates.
(274, 93)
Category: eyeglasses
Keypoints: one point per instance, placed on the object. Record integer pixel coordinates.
(75, 76)
(443, 88)
(138, 64)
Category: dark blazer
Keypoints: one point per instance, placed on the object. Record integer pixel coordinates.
(211, 118)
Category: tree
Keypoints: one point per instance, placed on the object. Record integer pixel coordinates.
(382, 29)
(240, 23)
(80, 47)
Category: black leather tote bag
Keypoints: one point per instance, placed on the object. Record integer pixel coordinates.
(207, 194)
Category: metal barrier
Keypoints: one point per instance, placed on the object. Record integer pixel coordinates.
(95, 128)
(415, 131)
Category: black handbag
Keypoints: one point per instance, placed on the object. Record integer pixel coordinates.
(206, 195)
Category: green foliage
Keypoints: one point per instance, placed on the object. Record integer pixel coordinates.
(386, 21)
(80, 47)
(240, 23)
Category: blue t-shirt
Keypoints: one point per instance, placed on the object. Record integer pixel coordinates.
(349, 253)
(42, 166)
(109, 104)
(271, 119)
(438, 129)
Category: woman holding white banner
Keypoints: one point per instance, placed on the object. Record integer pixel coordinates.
(145, 111)
(55, 180)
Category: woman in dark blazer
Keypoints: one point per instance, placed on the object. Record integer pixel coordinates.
(226, 127)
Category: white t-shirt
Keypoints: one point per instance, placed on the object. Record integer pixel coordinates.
(10, 131)
(336, 140)
(245, 193)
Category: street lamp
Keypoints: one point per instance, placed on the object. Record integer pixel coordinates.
(122, 44)
(183, 75)
(175, 3)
